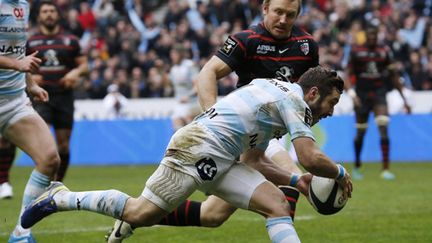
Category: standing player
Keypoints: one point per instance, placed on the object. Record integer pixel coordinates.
(202, 156)
(275, 48)
(62, 66)
(19, 123)
(371, 66)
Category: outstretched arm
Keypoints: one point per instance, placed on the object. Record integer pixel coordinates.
(317, 163)
(213, 70)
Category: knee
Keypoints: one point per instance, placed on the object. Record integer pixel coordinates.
(278, 208)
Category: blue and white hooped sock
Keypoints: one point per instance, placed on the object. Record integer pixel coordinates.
(281, 230)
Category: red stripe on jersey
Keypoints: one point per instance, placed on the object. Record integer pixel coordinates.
(187, 211)
(368, 59)
(52, 47)
(240, 43)
(293, 58)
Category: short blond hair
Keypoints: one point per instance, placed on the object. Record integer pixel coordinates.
(267, 2)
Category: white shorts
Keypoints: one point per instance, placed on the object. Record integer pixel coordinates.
(14, 108)
(167, 187)
(184, 110)
(196, 160)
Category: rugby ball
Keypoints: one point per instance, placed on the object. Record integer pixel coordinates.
(325, 195)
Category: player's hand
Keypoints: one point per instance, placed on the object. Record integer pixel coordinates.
(304, 183)
(70, 80)
(38, 93)
(345, 183)
(29, 63)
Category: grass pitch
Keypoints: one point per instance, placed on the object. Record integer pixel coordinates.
(380, 211)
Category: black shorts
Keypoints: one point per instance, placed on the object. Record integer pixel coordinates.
(370, 99)
(58, 111)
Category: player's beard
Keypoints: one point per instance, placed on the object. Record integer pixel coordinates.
(50, 24)
(316, 110)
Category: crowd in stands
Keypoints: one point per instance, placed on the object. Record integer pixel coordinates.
(128, 42)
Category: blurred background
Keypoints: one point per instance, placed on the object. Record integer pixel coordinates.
(129, 45)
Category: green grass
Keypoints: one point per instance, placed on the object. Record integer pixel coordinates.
(380, 211)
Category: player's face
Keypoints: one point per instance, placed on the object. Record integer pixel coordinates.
(279, 17)
(324, 106)
(48, 16)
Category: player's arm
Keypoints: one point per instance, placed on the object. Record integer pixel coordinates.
(256, 159)
(395, 79)
(213, 70)
(38, 93)
(348, 83)
(72, 77)
(29, 63)
(317, 163)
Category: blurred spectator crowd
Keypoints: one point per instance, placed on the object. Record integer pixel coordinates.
(130, 42)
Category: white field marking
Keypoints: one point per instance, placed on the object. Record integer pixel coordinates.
(106, 228)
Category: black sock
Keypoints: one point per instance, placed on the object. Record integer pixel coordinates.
(7, 156)
(64, 165)
(186, 214)
(385, 148)
(292, 196)
(358, 144)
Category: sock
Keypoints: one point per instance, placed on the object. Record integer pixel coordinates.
(281, 229)
(35, 187)
(7, 156)
(109, 202)
(358, 144)
(385, 148)
(64, 164)
(292, 195)
(186, 214)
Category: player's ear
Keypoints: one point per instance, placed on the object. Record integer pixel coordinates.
(314, 94)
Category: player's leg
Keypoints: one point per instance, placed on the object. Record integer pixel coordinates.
(31, 134)
(278, 154)
(7, 156)
(361, 116)
(63, 139)
(382, 120)
(159, 197)
(246, 188)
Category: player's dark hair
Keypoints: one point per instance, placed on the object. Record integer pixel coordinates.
(323, 78)
(47, 2)
(267, 2)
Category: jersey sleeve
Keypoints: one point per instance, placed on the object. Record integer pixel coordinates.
(234, 52)
(315, 54)
(297, 118)
(76, 48)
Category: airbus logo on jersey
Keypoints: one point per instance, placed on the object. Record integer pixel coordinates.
(263, 49)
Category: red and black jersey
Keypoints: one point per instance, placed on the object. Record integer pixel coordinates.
(369, 66)
(255, 53)
(58, 53)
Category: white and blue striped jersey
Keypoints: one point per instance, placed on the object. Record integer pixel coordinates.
(256, 113)
(14, 16)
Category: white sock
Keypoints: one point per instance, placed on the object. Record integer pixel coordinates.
(281, 230)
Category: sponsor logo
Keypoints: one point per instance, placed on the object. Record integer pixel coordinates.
(308, 116)
(229, 46)
(12, 49)
(19, 13)
(304, 48)
(206, 168)
(284, 73)
(263, 49)
(284, 50)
